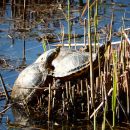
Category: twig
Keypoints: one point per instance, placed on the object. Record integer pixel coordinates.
(122, 108)
(101, 104)
(4, 87)
(109, 124)
(3, 111)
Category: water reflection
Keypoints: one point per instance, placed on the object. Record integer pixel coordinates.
(22, 120)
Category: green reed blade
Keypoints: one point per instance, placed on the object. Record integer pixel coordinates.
(44, 45)
(115, 81)
(95, 120)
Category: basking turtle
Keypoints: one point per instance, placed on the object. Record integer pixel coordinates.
(33, 77)
(71, 64)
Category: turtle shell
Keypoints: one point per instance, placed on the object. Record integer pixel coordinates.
(33, 77)
(71, 64)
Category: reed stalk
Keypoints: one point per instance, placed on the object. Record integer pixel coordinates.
(115, 83)
(81, 90)
(85, 26)
(99, 62)
(24, 48)
(73, 93)
(90, 52)
(75, 42)
(70, 93)
(95, 25)
(110, 33)
(24, 4)
(63, 102)
(123, 54)
(127, 93)
(62, 34)
(104, 116)
(44, 45)
(67, 91)
(78, 91)
(69, 28)
(95, 120)
(49, 103)
(88, 107)
(106, 106)
(53, 102)
(122, 50)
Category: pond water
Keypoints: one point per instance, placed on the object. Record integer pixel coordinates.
(19, 27)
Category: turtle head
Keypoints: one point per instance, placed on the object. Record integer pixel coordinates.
(51, 57)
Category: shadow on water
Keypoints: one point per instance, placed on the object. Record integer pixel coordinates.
(24, 26)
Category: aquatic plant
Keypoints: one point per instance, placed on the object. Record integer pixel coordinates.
(115, 83)
(44, 44)
(69, 25)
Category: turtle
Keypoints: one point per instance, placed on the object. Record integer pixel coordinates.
(71, 64)
(34, 76)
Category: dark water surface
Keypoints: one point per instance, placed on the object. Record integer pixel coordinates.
(19, 27)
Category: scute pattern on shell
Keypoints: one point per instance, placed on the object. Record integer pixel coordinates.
(70, 62)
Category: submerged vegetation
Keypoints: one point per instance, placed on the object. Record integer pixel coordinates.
(102, 99)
